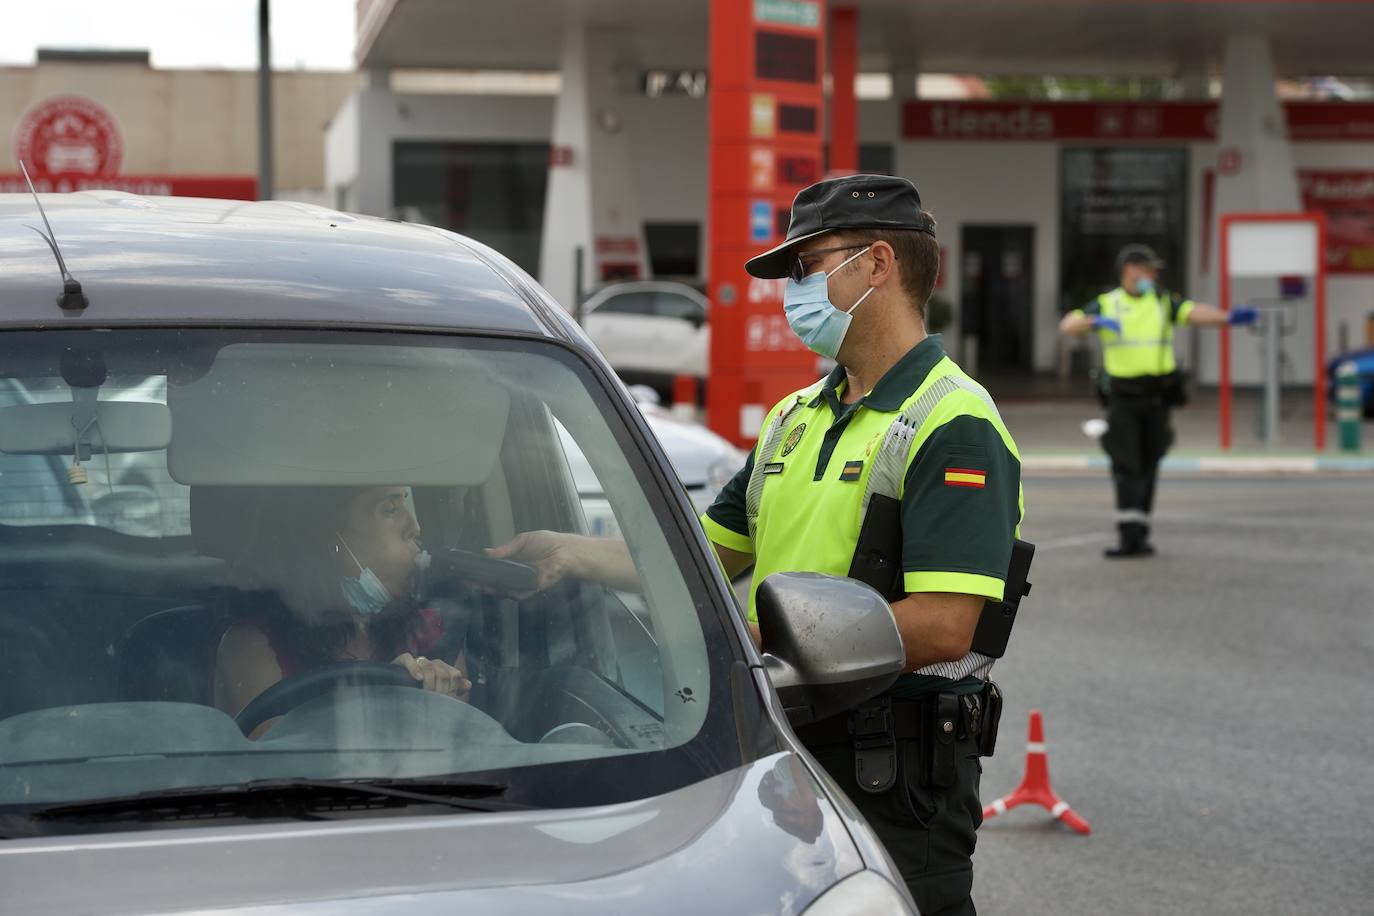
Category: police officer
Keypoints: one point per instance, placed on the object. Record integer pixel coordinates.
(1141, 383)
(896, 416)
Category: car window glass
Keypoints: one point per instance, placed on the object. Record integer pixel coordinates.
(128, 492)
(628, 303)
(312, 469)
(676, 305)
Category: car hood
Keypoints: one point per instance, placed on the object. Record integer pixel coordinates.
(761, 838)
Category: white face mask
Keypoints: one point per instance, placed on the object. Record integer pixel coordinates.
(813, 317)
(365, 592)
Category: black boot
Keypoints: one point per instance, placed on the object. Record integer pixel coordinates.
(1135, 542)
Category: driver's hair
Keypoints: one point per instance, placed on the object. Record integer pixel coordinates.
(290, 569)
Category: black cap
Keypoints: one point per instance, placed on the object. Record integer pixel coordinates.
(1137, 254)
(851, 202)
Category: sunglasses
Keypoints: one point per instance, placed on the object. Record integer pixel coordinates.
(799, 262)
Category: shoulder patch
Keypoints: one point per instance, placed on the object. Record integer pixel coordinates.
(964, 477)
(792, 439)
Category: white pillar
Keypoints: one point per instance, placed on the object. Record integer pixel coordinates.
(1255, 173)
(1254, 159)
(591, 201)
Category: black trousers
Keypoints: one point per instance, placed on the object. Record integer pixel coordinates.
(929, 833)
(1138, 436)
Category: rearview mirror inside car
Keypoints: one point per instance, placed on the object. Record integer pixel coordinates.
(829, 643)
(106, 426)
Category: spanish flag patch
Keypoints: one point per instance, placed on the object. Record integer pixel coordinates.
(963, 477)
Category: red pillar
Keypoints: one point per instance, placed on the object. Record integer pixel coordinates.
(844, 111)
(766, 122)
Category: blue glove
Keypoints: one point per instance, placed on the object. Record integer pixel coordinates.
(1243, 314)
(1103, 323)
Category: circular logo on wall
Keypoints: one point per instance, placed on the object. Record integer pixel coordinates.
(69, 135)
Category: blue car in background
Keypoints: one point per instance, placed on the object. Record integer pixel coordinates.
(1364, 362)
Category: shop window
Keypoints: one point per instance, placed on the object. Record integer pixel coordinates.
(674, 249)
(492, 192)
(1111, 196)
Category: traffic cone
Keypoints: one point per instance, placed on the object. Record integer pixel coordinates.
(1035, 786)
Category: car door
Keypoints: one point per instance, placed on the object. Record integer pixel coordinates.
(685, 333)
(626, 331)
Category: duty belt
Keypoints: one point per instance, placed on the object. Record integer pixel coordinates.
(936, 722)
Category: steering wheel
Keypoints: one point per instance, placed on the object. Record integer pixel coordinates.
(288, 693)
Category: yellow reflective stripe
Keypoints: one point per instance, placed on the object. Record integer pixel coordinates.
(954, 583)
(731, 540)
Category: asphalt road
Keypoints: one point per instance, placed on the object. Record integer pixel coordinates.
(1209, 711)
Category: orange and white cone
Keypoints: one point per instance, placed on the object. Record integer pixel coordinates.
(1035, 786)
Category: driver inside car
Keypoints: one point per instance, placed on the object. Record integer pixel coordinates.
(332, 576)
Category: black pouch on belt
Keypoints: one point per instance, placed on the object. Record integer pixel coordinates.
(941, 733)
(991, 715)
(875, 746)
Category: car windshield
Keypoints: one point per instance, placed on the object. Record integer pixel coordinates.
(222, 553)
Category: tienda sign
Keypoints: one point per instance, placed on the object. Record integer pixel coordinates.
(1120, 121)
(73, 143)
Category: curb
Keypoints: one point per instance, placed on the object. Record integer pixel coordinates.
(1290, 464)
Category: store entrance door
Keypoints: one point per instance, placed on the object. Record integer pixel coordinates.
(996, 295)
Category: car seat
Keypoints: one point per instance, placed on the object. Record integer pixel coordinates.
(170, 655)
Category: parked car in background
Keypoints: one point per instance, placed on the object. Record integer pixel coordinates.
(650, 331)
(704, 462)
(1364, 365)
(180, 450)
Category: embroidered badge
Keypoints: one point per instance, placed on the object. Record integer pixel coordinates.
(852, 470)
(792, 439)
(773, 467)
(963, 477)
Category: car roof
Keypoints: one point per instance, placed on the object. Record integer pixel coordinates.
(622, 287)
(188, 260)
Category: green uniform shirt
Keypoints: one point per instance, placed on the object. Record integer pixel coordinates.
(1145, 345)
(961, 501)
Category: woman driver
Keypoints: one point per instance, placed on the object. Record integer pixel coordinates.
(337, 569)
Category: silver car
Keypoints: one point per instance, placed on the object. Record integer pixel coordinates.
(189, 423)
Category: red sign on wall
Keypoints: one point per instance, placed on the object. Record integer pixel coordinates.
(69, 136)
(1347, 199)
(225, 187)
(1123, 121)
(72, 143)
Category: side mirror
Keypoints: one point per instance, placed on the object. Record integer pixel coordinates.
(828, 643)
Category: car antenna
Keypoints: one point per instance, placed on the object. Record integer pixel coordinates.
(72, 298)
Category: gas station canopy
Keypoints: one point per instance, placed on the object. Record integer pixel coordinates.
(1097, 37)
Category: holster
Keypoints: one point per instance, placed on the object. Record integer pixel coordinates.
(988, 717)
(942, 727)
(875, 746)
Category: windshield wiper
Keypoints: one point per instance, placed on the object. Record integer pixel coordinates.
(306, 799)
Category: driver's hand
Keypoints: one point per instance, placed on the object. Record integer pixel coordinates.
(552, 555)
(436, 675)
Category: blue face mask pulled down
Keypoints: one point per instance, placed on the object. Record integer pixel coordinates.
(1144, 287)
(364, 592)
(813, 317)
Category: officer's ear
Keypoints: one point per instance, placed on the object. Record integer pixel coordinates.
(884, 264)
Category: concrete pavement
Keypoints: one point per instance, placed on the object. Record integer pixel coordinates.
(1048, 430)
(1207, 710)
